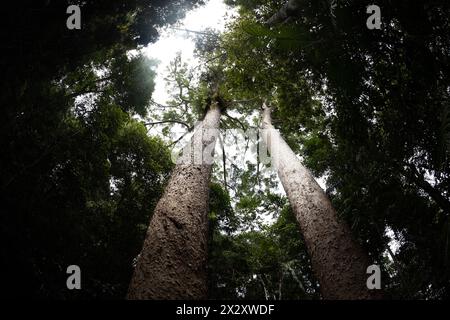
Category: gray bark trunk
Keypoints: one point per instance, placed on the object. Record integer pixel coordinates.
(172, 263)
(338, 262)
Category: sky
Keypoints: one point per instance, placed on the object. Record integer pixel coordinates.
(212, 15)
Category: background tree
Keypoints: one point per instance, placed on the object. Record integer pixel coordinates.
(79, 176)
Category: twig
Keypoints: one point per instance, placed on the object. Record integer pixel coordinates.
(236, 120)
(224, 161)
(168, 121)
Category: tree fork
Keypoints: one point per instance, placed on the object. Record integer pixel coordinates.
(338, 262)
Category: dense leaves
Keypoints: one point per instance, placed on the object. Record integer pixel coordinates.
(79, 175)
(260, 261)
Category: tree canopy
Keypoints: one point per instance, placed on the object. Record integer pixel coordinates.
(367, 111)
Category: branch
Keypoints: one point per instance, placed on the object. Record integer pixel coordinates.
(243, 101)
(162, 106)
(210, 60)
(180, 138)
(81, 93)
(224, 161)
(168, 121)
(236, 120)
(434, 193)
(258, 178)
(280, 285)
(193, 31)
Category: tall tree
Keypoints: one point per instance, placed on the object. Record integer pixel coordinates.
(368, 111)
(75, 168)
(172, 263)
(338, 262)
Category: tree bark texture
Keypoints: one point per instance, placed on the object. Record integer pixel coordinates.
(287, 11)
(172, 263)
(338, 262)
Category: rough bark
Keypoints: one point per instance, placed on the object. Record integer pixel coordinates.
(287, 11)
(338, 262)
(172, 263)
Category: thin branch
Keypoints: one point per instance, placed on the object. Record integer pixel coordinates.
(180, 138)
(258, 178)
(192, 31)
(168, 121)
(266, 292)
(224, 162)
(291, 270)
(81, 93)
(162, 106)
(236, 120)
(280, 284)
(243, 101)
(210, 60)
(433, 192)
(246, 146)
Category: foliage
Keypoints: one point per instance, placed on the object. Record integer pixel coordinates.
(265, 263)
(79, 175)
(366, 109)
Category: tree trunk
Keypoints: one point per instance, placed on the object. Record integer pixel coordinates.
(172, 263)
(338, 262)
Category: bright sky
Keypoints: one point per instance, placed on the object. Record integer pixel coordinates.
(212, 15)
